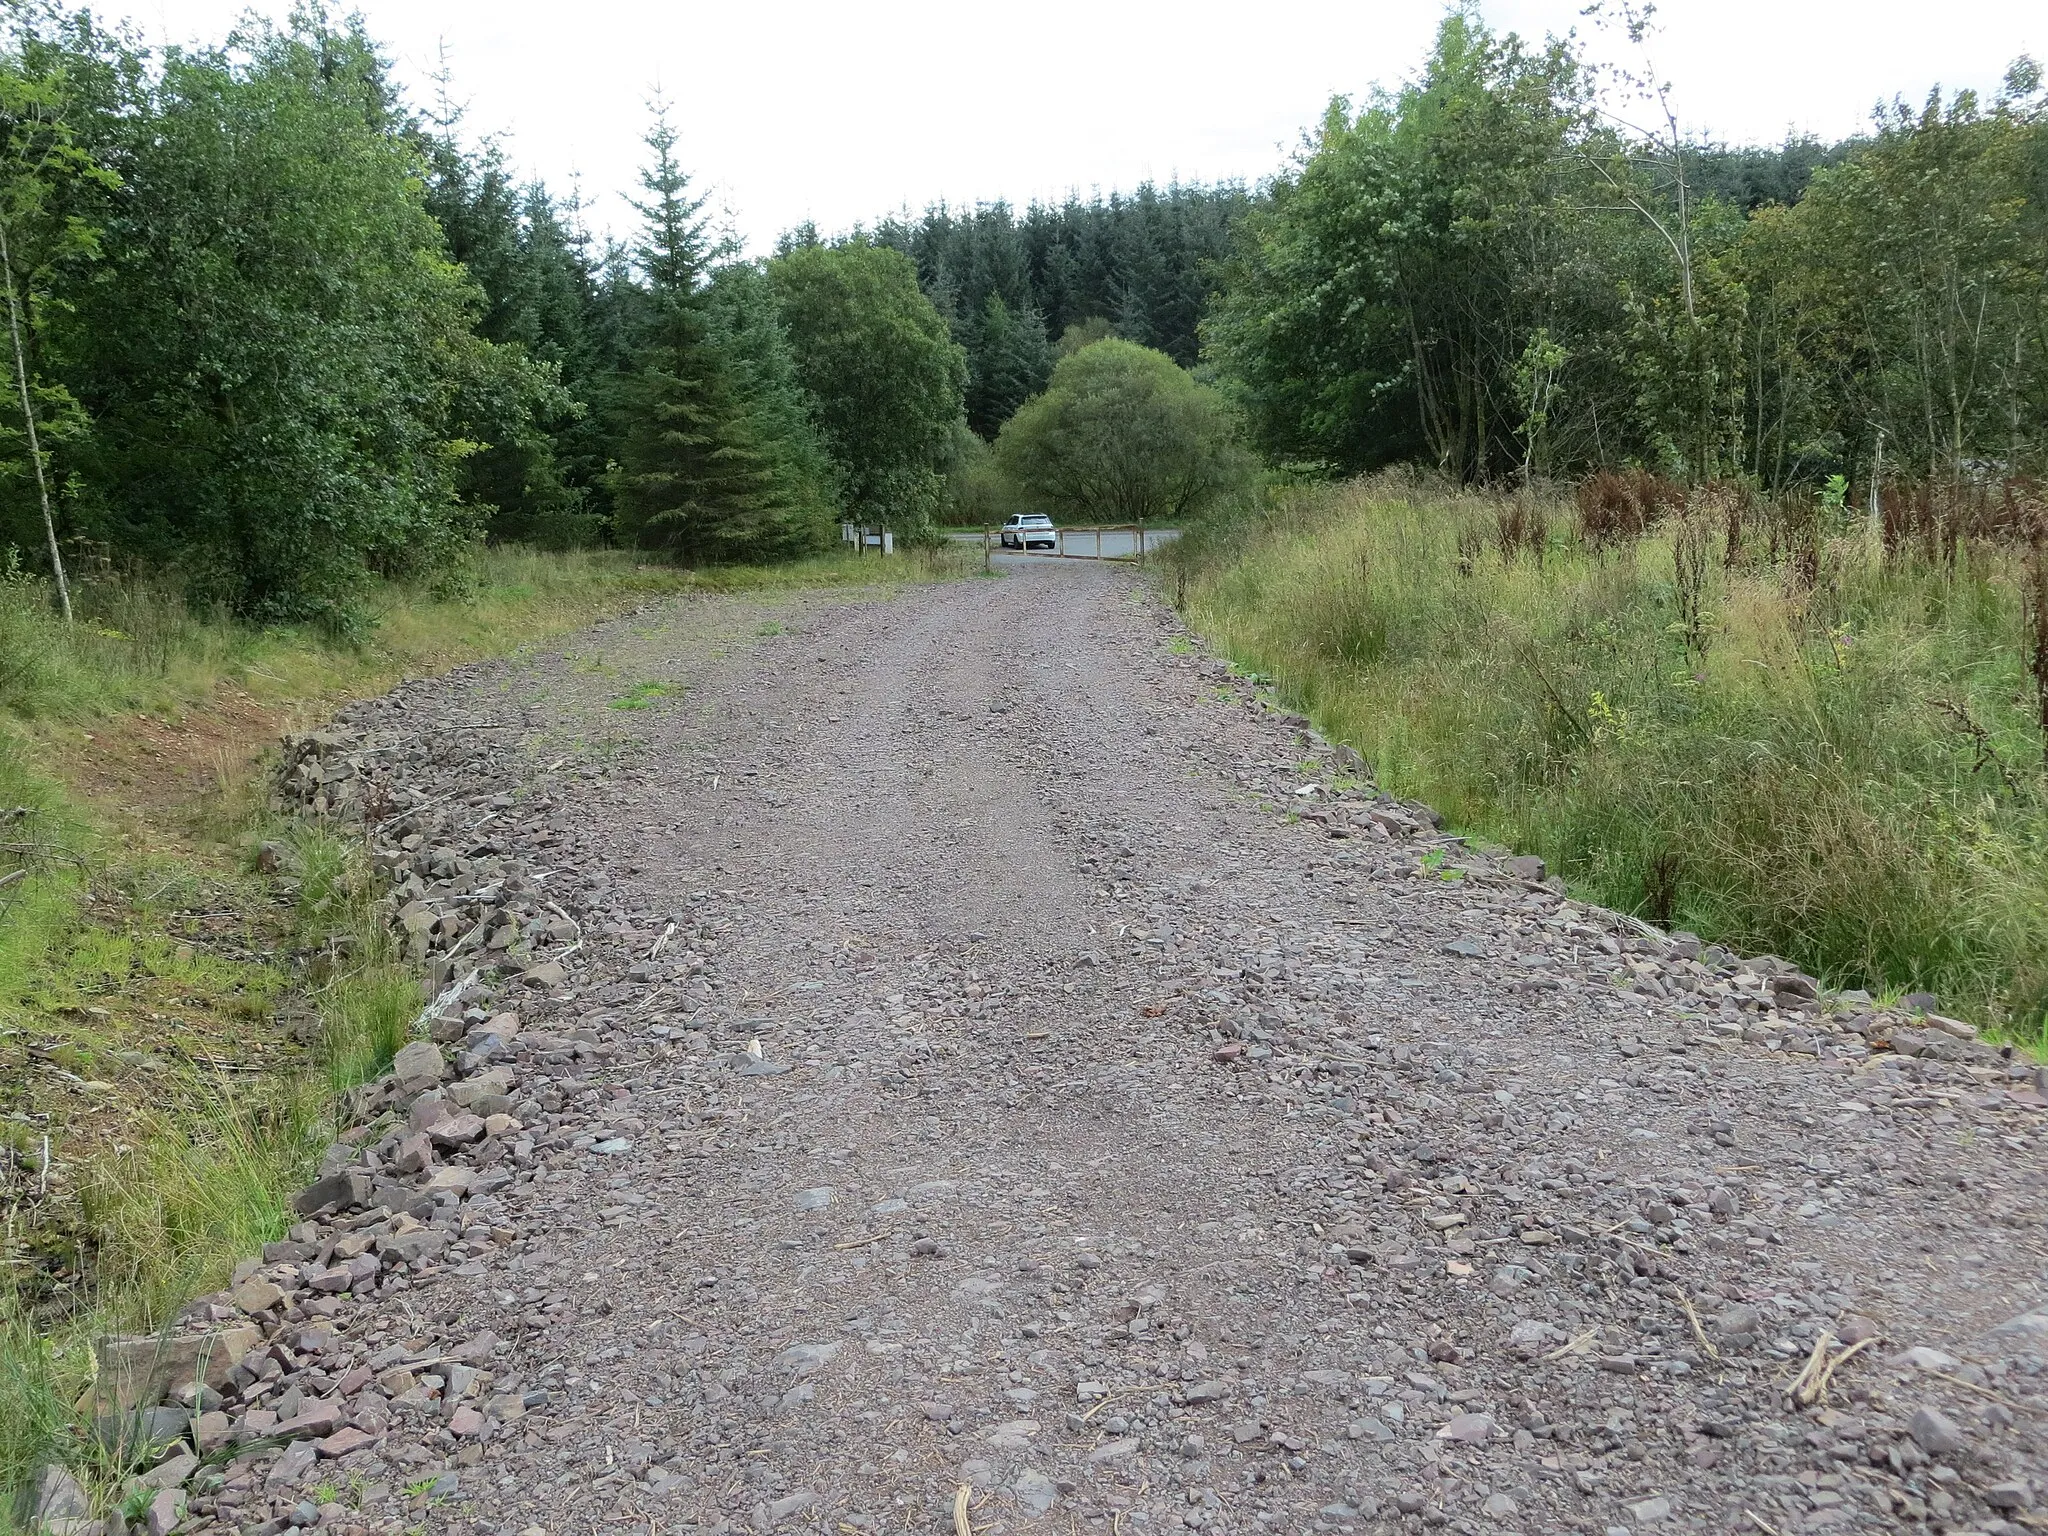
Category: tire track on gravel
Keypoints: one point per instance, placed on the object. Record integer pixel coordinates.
(1140, 1158)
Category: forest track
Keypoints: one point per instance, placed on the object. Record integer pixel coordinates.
(1136, 1154)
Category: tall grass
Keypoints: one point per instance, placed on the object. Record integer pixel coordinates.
(1797, 745)
(137, 645)
(204, 1172)
(33, 1413)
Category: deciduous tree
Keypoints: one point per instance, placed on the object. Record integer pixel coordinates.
(1123, 435)
(888, 379)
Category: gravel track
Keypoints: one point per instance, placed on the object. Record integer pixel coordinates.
(1138, 1154)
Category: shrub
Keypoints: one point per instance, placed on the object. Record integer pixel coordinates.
(1124, 435)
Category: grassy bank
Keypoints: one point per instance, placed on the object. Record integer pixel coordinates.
(1751, 722)
(175, 1024)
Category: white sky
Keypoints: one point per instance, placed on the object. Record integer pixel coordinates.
(839, 111)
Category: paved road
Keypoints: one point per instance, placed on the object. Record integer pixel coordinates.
(1137, 1156)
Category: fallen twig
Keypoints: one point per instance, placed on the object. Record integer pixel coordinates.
(449, 994)
(1960, 1381)
(1810, 1372)
(1111, 1395)
(413, 810)
(1820, 1388)
(1810, 1386)
(1698, 1332)
(1574, 1346)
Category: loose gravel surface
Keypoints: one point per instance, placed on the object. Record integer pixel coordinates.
(964, 1061)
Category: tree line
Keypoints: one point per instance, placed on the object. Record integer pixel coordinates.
(279, 332)
(1512, 267)
(1019, 291)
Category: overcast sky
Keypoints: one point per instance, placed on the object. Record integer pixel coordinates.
(838, 112)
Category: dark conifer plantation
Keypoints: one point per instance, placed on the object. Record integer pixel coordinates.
(1137, 266)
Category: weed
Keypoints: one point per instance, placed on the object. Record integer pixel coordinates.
(641, 695)
(323, 894)
(2037, 624)
(1689, 581)
(33, 1409)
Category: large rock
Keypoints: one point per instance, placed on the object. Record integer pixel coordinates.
(336, 1192)
(549, 973)
(171, 1472)
(211, 1431)
(256, 1295)
(56, 1495)
(138, 1434)
(411, 1247)
(1738, 1322)
(166, 1511)
(2028, 1331)
(1938, 1434)
(456, 1130)
(419, 1063)
(291, 1468)
(315, 1421)
(138, 1372)
(496, 1082)
(1468, 1429)
(413, 1154)
(398, 1198)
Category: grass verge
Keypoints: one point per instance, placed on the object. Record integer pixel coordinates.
(1790, 743)
(117, 1229)
(176, 1025)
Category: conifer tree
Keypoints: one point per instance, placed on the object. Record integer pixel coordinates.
(1008, 361)
(745, 324)
(694, 476)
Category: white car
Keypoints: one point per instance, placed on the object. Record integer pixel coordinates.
(1028, 530)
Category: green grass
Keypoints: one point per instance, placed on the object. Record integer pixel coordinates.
(138, 647)
(204, 1169)
(943, 562)
(641, 695)
(1849, 778)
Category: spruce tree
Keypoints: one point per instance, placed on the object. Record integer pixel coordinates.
(694, 476)
(1009, 360)
(745, 325)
